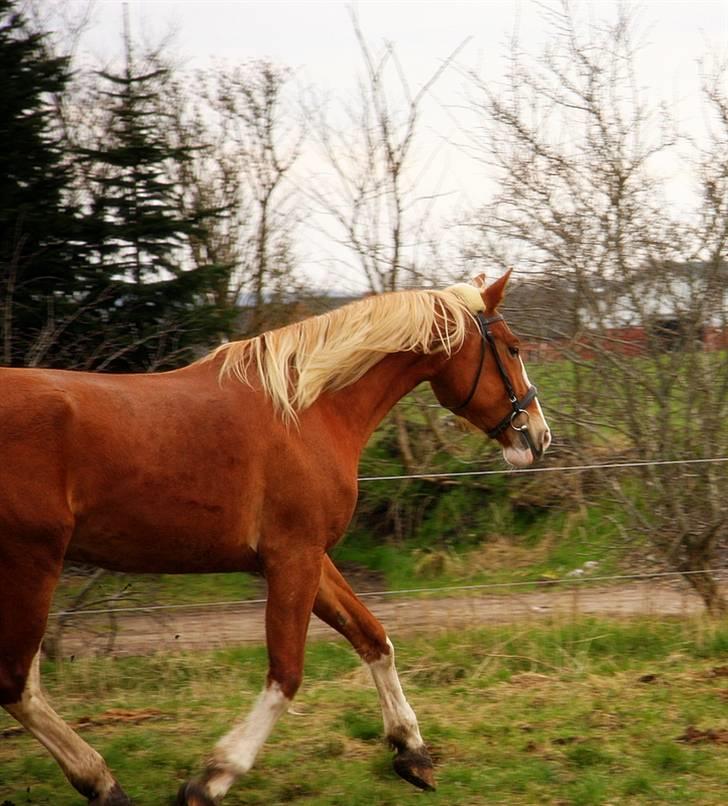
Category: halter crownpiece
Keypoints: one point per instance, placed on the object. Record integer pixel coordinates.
(518, 407)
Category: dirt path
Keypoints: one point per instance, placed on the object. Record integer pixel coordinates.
(200, 627)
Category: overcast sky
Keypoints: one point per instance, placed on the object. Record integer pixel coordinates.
(316, 40)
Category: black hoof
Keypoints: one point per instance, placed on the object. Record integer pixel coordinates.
(114, 797)
(193, 794)
(415, 766)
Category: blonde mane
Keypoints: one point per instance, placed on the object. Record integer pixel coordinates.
(297, 363)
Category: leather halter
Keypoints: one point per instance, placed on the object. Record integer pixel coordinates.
(518, 407)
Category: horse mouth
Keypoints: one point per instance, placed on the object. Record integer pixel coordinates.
(526, 448)
(518, 457)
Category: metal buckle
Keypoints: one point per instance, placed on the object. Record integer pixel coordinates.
(519, 428)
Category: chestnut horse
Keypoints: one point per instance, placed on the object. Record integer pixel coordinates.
(245, 460)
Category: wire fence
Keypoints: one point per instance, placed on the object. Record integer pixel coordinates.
(428, 610)
(548, 469)
(581, 592)
(437, 590)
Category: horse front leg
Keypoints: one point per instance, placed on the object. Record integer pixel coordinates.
(338, 605)
(292, 585)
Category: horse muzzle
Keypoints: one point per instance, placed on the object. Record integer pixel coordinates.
(527, 444)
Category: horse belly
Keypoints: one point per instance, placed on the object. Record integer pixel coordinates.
(171, 510)
(167, 534)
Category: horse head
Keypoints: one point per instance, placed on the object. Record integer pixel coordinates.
(486, 381)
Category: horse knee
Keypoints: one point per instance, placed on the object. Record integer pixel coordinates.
(287, 680)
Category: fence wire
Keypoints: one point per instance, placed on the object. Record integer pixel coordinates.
(660, 576)
(140, 629)
(214, 625)
(555, 469)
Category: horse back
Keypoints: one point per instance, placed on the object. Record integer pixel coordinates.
(162, 472)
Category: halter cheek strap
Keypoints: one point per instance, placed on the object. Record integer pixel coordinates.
(518, 407)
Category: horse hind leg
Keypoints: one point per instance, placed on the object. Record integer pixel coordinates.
(338, 606)
(82, 765)
(29, 571)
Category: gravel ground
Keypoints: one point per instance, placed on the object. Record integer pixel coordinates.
(207, 627)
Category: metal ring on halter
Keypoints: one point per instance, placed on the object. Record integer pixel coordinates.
(515, 414)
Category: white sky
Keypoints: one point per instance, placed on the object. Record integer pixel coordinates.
(316, 40)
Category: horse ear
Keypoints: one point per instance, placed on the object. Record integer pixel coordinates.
(479, 282)
(493, 294)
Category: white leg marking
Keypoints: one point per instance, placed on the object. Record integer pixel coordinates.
(400, 722)
(235, 753)
(81, 764)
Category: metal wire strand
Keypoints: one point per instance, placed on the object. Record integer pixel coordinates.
(564, 468)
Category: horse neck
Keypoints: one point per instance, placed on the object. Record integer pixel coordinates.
(360, 408)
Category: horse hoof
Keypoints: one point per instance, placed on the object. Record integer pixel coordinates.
(114, 797)
(415, 766)
(193, 794)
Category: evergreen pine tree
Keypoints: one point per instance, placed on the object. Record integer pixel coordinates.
(39, 236)
(163, 311)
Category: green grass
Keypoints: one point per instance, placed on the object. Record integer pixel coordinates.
(548, 547)
(586, 712)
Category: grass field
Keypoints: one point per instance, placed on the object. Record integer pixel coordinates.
(586, 712)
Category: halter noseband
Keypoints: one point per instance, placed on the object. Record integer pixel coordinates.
(518, 407)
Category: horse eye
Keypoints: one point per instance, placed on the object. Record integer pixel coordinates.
(513, 350)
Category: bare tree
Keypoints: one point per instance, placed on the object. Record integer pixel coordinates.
(246, 141)
(369, 185)
(573, 138)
